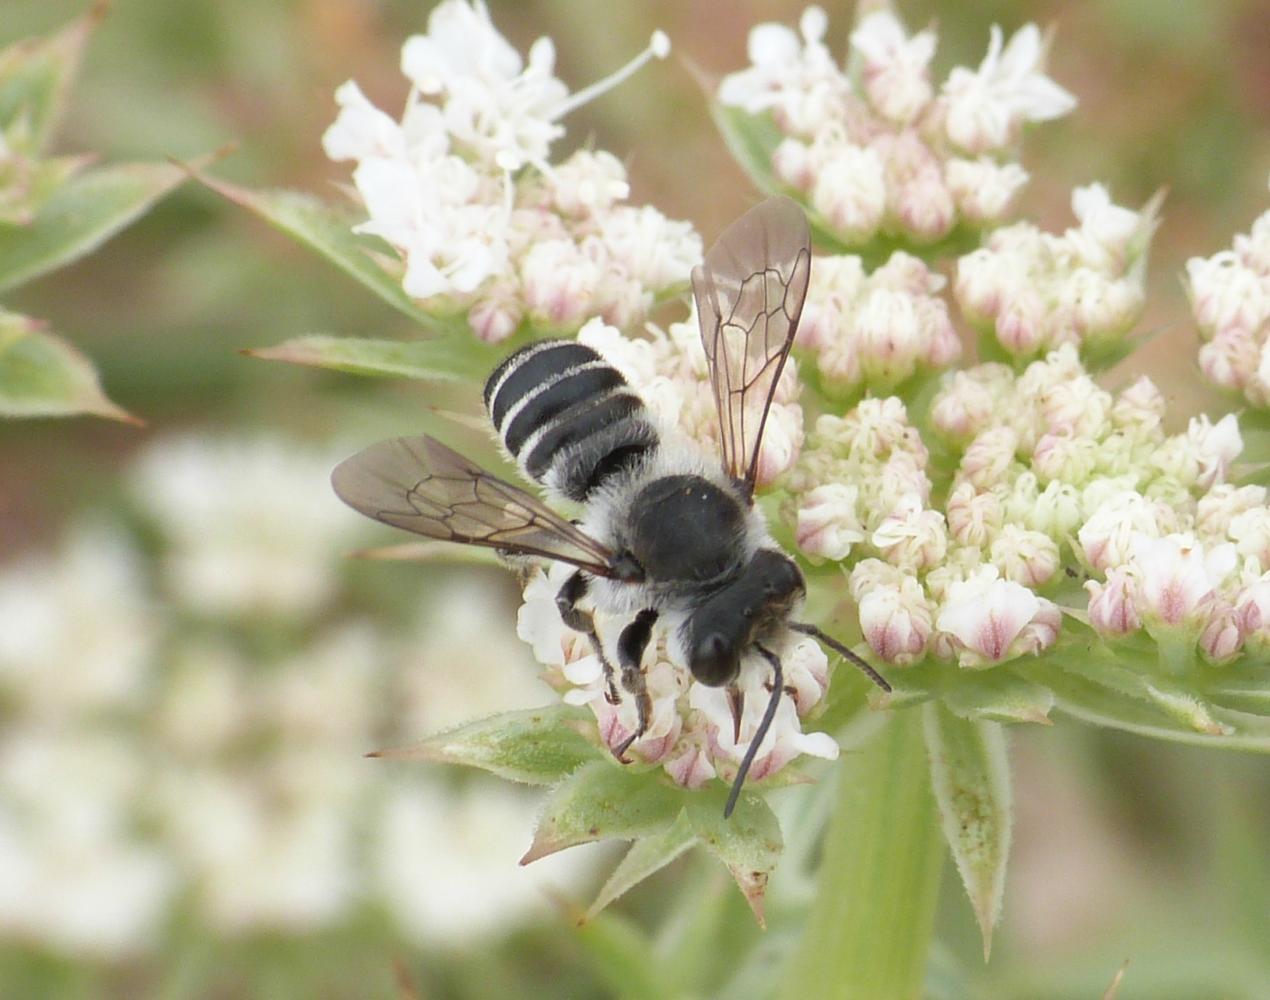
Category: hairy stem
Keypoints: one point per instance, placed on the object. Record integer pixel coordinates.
(869, 930)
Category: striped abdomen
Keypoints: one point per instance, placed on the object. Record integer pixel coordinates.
(567, 416)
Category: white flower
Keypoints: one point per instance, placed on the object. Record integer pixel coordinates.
(912, 536)
(784, 740)
(1108, 535)
(896, 67)
(656, 251)
(985, 108)
(495, 105)
(1226, 295)
(850, 188)
(558, 279)
(797, 81)
(588, 183)
(827, 522)
(1179, 578)
(988, 618)
(1102, 241)
(983, 189)
(1216, 446)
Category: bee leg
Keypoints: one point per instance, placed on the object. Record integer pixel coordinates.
(736, 702)
(777, 689)
(631, 645)
(567, 599)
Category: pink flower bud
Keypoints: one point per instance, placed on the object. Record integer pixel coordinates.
(1222, 637)
(988, 456)
(493, 319)
(792, 162)
(973, 517)
(1025, 556)
(1020, 323)
(896, 620)
(1112, 608)
(911, 536)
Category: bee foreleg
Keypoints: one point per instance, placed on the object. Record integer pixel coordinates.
(631, 645)
(777, 688)
(567, 599)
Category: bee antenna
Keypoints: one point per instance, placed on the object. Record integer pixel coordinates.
(806, 628)
(778, 688)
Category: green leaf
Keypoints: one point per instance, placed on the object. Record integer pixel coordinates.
(538, 746)
(36, 77)
(970, 776)
(41, 375)
(600, 800)
(869, 930)
(647, 856)
(1118, 702)
(25, 185)
(461, 357)
(329, 231)
(752, 139)
(999, 695)
(748, 843)
(81, 215)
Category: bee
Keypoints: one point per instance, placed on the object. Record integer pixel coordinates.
(666, 534)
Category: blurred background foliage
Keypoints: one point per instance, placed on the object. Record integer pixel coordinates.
(1124, 849)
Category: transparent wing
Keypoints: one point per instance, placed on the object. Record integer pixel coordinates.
(750, 291)
(419, 484)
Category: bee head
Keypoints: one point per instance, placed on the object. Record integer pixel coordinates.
(723, 627)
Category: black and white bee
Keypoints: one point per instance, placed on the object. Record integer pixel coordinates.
(666, 534)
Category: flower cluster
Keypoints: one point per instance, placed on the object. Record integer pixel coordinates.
(213, 760)
(668, 369)
(692, 732)
(1053, 466)
(463, 189)
(875, 330)
(1230, 297)
(862, 490)
(1033, 291)
(873, 147)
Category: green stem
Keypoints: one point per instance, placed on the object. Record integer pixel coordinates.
(870, 927)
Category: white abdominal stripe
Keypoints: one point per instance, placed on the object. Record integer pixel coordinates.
(567, 417)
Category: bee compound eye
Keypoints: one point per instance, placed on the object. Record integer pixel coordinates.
(714, 661)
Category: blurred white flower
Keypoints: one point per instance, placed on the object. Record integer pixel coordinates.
(270, 848)
(896, 67)
(77, 632)
(458, 667)
(986, 107)
(251, 527)
(866, 144)
(74, 875)
(445, 862)
(797, 81)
